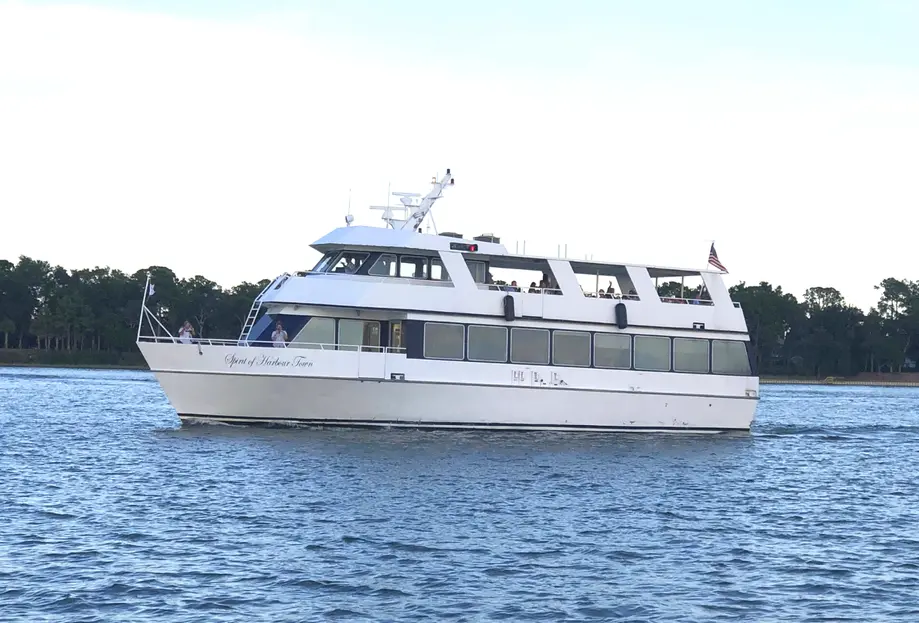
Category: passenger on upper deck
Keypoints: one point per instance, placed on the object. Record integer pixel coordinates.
(279, 335)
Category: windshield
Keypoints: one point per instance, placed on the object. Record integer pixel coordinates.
(347, 262)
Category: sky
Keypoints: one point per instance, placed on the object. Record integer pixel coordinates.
(221, 138)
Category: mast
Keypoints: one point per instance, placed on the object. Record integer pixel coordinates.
(418, 211)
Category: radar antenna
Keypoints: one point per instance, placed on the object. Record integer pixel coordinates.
(413, 213)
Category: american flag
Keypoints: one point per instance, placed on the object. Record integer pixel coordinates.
(714, 261)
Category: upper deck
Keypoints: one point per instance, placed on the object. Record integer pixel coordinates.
(372, 268)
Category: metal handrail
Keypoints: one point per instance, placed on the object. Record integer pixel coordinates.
(494, 287)
(684, 301)
(265, 343)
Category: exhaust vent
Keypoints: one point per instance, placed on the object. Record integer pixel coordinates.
(488, 238)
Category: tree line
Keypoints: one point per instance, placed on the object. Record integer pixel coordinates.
(51, 308)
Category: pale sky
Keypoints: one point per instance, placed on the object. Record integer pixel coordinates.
(223, 141)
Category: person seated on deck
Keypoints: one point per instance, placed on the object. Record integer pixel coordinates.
(533, 288)
(186, 333)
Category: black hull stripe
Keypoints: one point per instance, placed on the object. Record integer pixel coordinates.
(229, 419)
(454, 384)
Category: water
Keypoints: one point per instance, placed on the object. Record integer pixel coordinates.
(111, 512)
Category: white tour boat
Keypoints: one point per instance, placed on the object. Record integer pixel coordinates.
(394, 327)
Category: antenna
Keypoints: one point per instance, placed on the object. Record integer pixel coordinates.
(413, 212)
(349, 218)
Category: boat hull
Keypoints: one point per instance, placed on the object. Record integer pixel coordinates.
(322, 394)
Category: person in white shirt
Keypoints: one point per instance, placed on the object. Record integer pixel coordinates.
(186, 333)
(279, 336)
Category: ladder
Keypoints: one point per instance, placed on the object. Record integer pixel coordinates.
(253, 313)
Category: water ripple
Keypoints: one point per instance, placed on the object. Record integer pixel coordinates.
(112, 512)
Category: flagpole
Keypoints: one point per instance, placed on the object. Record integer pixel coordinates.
(143, 306)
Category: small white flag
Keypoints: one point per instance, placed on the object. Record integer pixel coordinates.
(150, 290)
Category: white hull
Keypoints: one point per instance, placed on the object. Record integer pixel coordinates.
(354, 389)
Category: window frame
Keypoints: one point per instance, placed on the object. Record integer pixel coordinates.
(531, 363)
(317, 345)
(627, 336)
(706, 341)
(443, 271)
(746, 350)
(589, 335)
(424, 340)
(427, 267)
(507, 338)
(379, 260)
(669, 339)
(358, 347)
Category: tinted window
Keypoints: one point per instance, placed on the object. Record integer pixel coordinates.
(612, 350)
(570, 348)
(385, 266)
(487, 344)
(730, 358)
(690, 355)
(316, 333)
(354, 333)
(530, 346)
(443, 341)
(652, 353)
(413, 267)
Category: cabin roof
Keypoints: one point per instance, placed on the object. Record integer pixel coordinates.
(386, 239)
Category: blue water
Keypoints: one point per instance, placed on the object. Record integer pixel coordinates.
(109, 511)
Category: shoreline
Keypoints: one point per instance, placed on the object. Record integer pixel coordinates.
(764, 380)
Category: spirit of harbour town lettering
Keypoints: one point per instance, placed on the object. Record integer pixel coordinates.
(267, 361)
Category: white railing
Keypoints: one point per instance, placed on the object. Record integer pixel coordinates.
(517, 289)
(267, 344)
(682, 301)
(615, 295)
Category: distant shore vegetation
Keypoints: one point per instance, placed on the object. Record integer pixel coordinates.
(55, 310)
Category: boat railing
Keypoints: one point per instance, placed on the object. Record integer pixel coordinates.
(268, 344)
(683, 301)
(518, 289)
(615, 295)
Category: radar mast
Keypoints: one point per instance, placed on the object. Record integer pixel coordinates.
(413, 213)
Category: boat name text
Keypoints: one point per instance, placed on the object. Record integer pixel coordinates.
(267, 361)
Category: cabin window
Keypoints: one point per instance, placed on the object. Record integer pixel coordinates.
(444, 341)
(348, 262)
(385, 266)
(488, 344)
(690, 355)
(570, 348)
(325, 262)
(530, 346)
(413, 267)
(477, 269)
(652, 353)
(730, 357)
(317, 333)
(439, 271)
(612, 350)
(355, 333)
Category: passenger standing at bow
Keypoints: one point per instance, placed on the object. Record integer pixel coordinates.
(279, 336)
(186, 333)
